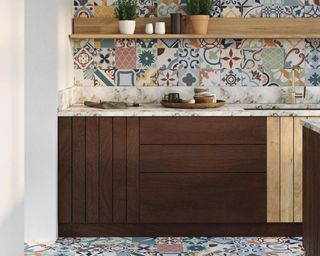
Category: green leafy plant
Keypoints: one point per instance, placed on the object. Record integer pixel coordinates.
(126, 9)
(199, 7)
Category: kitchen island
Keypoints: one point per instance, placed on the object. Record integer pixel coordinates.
(311, 184)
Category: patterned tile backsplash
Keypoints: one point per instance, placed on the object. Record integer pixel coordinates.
(198, 62)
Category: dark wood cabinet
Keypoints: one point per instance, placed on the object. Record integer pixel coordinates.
(311, 185)
(145, 176)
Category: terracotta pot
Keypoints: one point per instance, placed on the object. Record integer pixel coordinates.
(200, 24)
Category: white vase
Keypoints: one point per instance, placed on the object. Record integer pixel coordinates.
(127, 26)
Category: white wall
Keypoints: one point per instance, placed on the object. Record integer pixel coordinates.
(11, 128)
(48, 67)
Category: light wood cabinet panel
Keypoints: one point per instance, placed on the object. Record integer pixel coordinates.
(284, 169)
(273, 167)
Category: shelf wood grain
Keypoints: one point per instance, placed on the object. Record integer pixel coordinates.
(255, 28)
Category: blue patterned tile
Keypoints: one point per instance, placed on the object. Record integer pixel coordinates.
(313, 58)
(189, 77)
(168, 58)
(312, 11)
(189, 58)
(312, 77)
(125, 77)
(231, 77)
(168, 77)
(146, 58)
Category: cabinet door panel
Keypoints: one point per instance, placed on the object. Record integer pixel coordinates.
(203, 158)
(201, 130)
(203, 198)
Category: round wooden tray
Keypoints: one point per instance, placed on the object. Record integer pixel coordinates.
(218, 104)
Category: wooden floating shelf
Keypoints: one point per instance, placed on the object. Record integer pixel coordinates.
(253, 28)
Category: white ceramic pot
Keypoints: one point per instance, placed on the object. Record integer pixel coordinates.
(127, 26)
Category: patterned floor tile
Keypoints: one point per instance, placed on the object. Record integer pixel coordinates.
(146, 43)
(125, 43)
(209, 77)
(209, 43)
(312, 43)
(147, 8)
(253, 77)
(169, 246)
(168, 43)
(312, 11)
(283, 77)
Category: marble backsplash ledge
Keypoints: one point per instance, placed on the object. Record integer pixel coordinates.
(142, 95)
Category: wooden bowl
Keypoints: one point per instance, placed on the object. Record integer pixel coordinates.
(203, 99)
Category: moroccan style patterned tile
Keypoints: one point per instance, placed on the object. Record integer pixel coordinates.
(83, 59)
(313, 58)
(126, 58)
(125, 43)
(252, 43)
(210, 77)
(283, 77)
(272, 43)
(146, 58)
(105, 58)
(273, 58)
(230, 2)
(83, 8)
(104, 77)
(168, 43)
(125, 77)
(104, 43)
(278, 11)
(169, 245)
(312, 43)
(168, 77)
(273, 2)
(189, 58)
(166, 7)
(146, 43)
(81, 80)
(209, 43)
(168, 58)
(146, 77)
(312, 11)
(231, 43)
(222, 246)
(195, 244)
(312, 77)
(231, 58)
(189, 43)
(231, 12)
(252, 58)
(189, 77)
(253, 77)
(210, 58)
(231, 77)
(147, 8)
(255, 11)
(215, 11)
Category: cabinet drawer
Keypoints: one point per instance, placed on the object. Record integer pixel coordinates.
(203, 198)
(199, 130)
(203, 158)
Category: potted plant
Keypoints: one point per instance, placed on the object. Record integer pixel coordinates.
(199, 11)
(126, 11)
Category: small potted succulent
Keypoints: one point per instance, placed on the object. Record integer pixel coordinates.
(126, 11)
(199, 11)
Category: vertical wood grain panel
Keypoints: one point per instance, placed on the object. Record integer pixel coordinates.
(286, 169)
(133, 170)
(105, 170)
(65, 169)
(273, 169)
(78, 170)
(297, 156)
(119, 170)
(92, 170)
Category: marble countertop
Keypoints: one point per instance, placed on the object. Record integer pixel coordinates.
(314, 125)
(227, 110)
